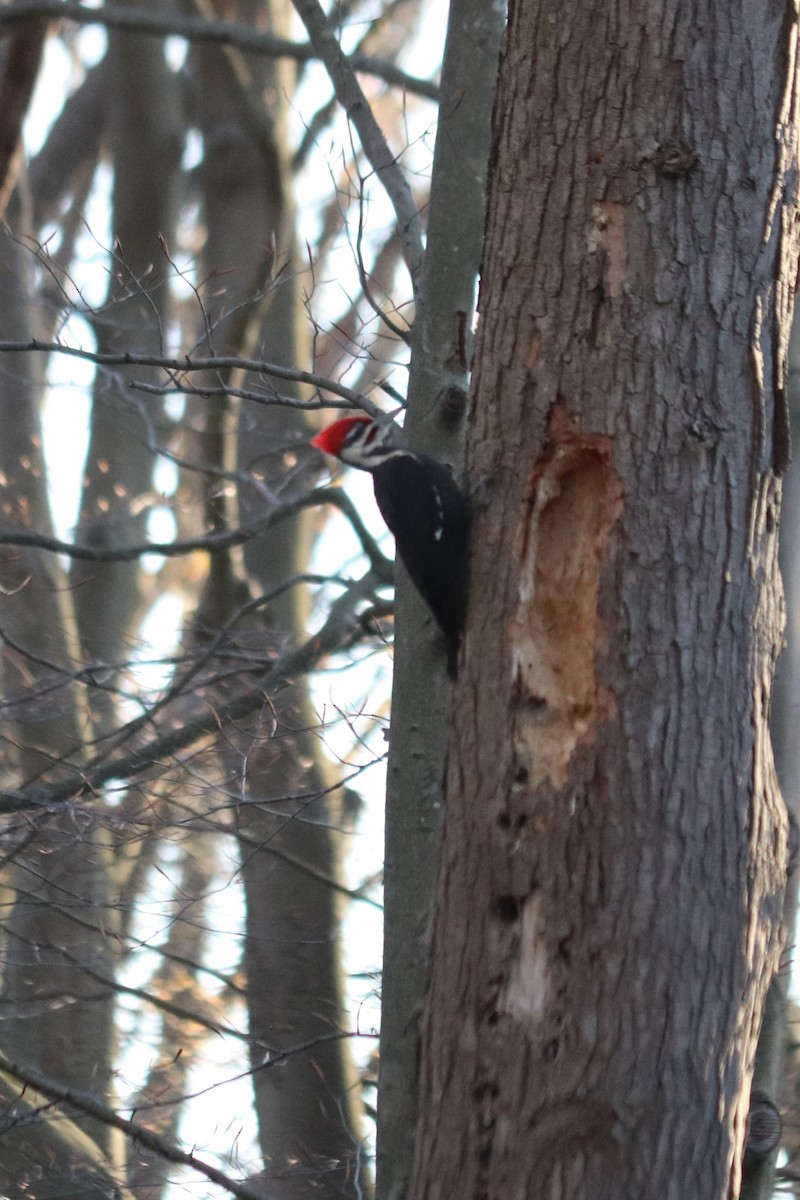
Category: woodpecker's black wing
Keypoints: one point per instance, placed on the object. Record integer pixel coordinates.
(428, 514)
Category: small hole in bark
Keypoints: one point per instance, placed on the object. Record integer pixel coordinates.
(508, 910)
(504, 820)
(452, 406)
(550, 1051)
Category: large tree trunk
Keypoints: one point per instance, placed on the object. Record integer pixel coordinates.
(615, 845)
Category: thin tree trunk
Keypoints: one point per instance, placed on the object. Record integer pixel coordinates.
(440, 364)
(615, 843)
(145, 139)
(53, 1016)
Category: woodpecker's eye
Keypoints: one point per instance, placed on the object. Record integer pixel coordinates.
(371, 435)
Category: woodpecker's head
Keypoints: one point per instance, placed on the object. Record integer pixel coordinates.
(358, 441)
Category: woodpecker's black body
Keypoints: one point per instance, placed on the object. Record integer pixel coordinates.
(425, 510)
(427, 513)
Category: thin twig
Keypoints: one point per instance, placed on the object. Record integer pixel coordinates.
(381, 157)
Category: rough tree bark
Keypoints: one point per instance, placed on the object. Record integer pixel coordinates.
(615, 844)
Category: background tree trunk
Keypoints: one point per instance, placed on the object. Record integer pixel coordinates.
(53, 1013)
(615, 844)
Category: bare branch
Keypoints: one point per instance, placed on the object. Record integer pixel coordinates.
(139, 1133)
(187, 364)
(212, 542)
(274, 398)
(124, 989)
(342, 628)
(209, 541)
(356, 106)
(197, 29)
(181, 683)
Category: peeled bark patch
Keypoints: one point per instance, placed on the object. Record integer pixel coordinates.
(573, 501)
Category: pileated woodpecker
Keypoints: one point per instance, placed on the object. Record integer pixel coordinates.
(424, 508)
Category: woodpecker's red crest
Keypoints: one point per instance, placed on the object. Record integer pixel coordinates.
(332, 439)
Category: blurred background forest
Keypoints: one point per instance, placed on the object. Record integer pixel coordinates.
(197, 257)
